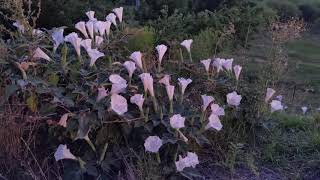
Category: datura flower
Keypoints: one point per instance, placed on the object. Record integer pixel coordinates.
(99, 41)
(90, 15)
(138, 100)
(279, 97)
(237, 70)
(214, 122)
(102, 93)
(117, 79)
(170, 92)
(304, 109)
(63, 120)
(217, 110)
(19, 26)
(37, 32)
(206, 100)
(119, 104)
(130, 66)
(118, 88)
(183, 84)
(86, 44)
(228, 64)
(100, 26)
(206, 64)
(165, 80)
(276, 106)
(161, 49)
(119, 13)
(108, 25)
(191, 160)
(233, 99)
(153, 144)
(75, 41)
(57, 37)
(38, 53)
(112, 18)
(63, 152)
(218, 63)
(269, 94)
(94, 54)
(90, 28)
(137, 58)
(147, 81)
(177, 121)
(81, 26)
(187, 44)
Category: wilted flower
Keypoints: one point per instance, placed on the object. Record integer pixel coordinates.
(57, 37)
(63, 120)
(170, 91)
(63, 153)
(217, 110)
(183, 84)
(218, 63)
(118, 12)
(276, 106)
(37, 32)
(20, 26)
(304, 109)
(233, 99)
(86, 43)
(206, 100)
(237, 70)
(75, 41)
(90, 28)
(137, 58)
(102, 93)
(269, 94)
(228, 64)
(214, 122)
(147, 81)
(206, 64)
(81, 26)
(94, 55)
(153, 144)
(138, 100)
(119, 104)
(177, 121)
(187, 44)
(112, 18)
(130, 66)
(38, 53)
(117, 79)
(90, 15)
(118, 88)
(165, 80)
(161, 51)
(99, 41)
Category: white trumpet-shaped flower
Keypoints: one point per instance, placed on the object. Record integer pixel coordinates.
(99, 41)
(206, 64)
(214, 122)
(108, 25)
(206, 100)
(217, 110)
(233, 99)
(161, 49)
(165, 80)
(138, 100)
(75, 41)
(304, 109)
(153, 144)
(57, 37)
(183, 84)
(112, 18)
(130, 66)
(119, 104)
(228, 64)
(86, 44)
(38, 53)
(90, 28)
(177, 121)
(269, 94)
(118, 88)
(170, 91)
(147, 81)
(187, 44)
(63, 120)
(19, 26)
(237, 70)
(90, 15)
(119, 13)
(218, 63)
(94, 54)
(191, 160)
(100, 26)
(117, 79)
(102, 93)
(63, 152)
(81, 26)
(276, 106)
(137, 58)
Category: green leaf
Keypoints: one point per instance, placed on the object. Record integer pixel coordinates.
(53, 79)
(9, 90)
(32, 102)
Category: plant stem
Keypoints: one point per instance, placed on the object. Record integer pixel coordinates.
(158, 158)
(155, 104)
(190, 57)
(171, 106)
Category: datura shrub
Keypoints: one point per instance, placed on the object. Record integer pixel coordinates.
(104, 107)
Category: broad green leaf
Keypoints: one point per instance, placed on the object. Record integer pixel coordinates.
(32, 102)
